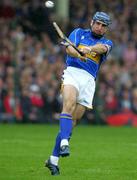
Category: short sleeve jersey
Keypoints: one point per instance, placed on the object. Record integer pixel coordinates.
(84, 37)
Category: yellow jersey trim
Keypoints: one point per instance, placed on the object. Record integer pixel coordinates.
(93, 55)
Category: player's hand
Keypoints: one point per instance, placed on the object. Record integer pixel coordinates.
(86, 50)
(64, 43)
(82, 58)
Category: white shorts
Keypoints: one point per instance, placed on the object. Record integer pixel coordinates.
(83, 82)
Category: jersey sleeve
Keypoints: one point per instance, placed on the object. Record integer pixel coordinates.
(75, 36)
(109, 45)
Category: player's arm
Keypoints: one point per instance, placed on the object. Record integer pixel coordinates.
(98, 48)
(72, 52)
(75, 38)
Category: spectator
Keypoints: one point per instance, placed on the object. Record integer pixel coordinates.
(111, 101)
(134, 100)
(25, 105)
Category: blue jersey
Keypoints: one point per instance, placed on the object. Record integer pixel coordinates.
(84, 37)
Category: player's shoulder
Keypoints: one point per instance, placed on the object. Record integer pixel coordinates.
(81, 30)
(106, 41)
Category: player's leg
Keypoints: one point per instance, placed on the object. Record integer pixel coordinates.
(78, 113)
(52, 162)
(69, 104)
(69, 94)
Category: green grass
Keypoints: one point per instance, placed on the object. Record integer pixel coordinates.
(97, 153)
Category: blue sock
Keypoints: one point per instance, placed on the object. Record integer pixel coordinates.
(56, 149)
(65, 125)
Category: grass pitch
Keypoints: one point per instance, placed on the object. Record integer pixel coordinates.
(97, 153)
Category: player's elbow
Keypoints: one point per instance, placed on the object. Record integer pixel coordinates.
(104, 49)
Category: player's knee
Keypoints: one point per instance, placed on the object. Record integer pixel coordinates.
(77, 116)
(69, 107)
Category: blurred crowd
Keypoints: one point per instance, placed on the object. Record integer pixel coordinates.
(32, 60)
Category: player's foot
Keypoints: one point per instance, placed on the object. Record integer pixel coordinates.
(64, 151)
(53, 168)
